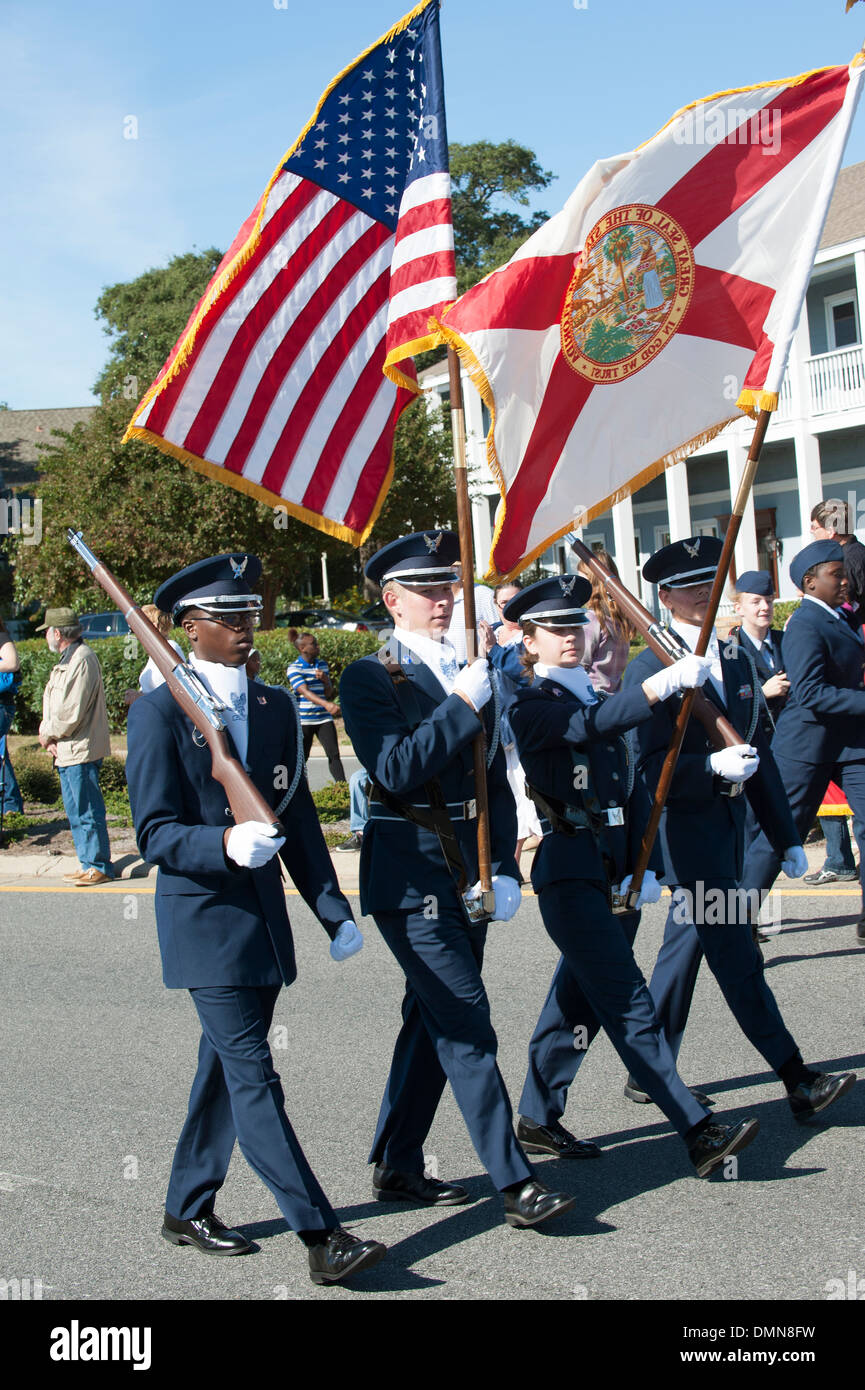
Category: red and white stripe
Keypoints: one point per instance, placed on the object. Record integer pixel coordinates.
(283, 386)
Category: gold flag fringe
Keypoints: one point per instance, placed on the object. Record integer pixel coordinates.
(481, 383)
(262, 494)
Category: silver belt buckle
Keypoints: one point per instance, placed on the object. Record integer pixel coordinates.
(470, 810)
(614, 815)
(732, 788)
(478, 909)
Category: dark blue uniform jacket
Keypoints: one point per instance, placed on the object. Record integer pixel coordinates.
(402, 865)
(823, 720)
(550, 724)
(219, 924)
(702, 831)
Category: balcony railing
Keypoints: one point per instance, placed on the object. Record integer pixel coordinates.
(837, 380)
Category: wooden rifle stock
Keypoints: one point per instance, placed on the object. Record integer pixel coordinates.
(663, 643)
(244, 798)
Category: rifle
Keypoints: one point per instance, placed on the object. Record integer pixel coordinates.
(666, 645)
(199, 706)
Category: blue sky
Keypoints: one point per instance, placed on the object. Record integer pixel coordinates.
(219, 90)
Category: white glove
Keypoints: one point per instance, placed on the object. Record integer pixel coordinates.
(474, 682)
(347, 942)
(252, 843)
(650, 888)
(688, 671)
(508, 897)
(737, 764)
(795, 861)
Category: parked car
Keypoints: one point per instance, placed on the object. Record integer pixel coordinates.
(376, 617)
(95, 625)
(322, 617)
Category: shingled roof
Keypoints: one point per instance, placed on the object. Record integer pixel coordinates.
(21, 431)
(846, 219)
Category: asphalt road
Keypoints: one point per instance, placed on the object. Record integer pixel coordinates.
(318, 774)
(98, 1058)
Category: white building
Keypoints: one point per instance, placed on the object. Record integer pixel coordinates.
(814, 447)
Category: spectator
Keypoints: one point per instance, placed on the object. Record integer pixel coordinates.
(150, 676)
(253, 666)
(831, 521)
(74, 730)
(607, 633)
(359, 813)
(485, 610)
(10, 679)
(310, 681)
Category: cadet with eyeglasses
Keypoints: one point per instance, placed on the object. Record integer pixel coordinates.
(224, 932)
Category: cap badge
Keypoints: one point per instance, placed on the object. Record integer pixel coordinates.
(692, 549)
(433, 541)
(567, 585)
(237, 568)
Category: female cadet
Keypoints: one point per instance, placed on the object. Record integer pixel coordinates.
(578, 771)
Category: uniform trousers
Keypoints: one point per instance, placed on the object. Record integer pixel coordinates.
(237, 1094)
(732, 958)
(446, 1035)
(597, 983)
(805, 785)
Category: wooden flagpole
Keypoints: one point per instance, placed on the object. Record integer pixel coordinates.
(467, 560)
(669, 767)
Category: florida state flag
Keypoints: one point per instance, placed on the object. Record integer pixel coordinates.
(660, 301)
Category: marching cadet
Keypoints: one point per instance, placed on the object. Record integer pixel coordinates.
(578, 770)
(220, 913)
(755, 605)
(702, 835)
(412, 716)
(820, 735)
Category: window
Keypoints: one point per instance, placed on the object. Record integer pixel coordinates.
(842, 320)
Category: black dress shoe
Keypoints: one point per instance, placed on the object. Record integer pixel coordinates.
(860, 928)
(718, 1142)
(342, 1254)
(554, 1139)
(389, 1185)
(810, 1097)
(532, 1203)
(207, 1233)
(633, 1092)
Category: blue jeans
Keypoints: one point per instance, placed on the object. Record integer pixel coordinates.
(359, 804)
(10, 791)
(86, 811)
(839, 851)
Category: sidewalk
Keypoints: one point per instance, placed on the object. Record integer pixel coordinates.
(25, 872)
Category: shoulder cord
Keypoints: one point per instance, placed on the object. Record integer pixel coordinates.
(300, 762)
(757, 694)
(495, 686)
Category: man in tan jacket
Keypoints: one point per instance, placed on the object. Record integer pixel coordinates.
(74, 730)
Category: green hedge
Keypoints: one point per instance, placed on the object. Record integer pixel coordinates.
(783, 610)
(39, 782)
(121, 660)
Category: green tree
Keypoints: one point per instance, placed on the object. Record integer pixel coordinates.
(487, 180)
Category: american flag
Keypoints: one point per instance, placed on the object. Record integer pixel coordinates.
(286, 382)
